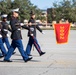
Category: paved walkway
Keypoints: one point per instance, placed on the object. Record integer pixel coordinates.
(58, 60)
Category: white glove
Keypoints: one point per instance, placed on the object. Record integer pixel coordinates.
(43, 32)
(21, 24)
(0, 36)
(31, 34)
(8, 35)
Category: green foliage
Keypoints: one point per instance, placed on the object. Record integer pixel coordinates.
(65, 9)
(25, 7)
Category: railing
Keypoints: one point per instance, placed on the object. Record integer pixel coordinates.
(40, 24)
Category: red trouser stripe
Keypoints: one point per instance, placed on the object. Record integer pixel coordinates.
(37, 47)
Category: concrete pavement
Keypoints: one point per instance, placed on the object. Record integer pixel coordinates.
(58, 60)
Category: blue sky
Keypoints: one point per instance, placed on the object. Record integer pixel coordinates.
(44, 4)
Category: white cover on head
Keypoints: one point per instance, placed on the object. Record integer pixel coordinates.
(4, 15)
(15, 10)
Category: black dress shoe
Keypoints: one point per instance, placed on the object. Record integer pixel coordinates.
(29, 54)
(1, 56)
(7, 60)
(28, 59)
(42, 53)
(13, 53)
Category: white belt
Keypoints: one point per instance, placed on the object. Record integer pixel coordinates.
(0, 36)
(5, 29)
(18, 29)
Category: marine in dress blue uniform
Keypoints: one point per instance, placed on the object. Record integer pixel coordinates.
(3, 50)
(32, 36)
(16, 38)
(5, 28)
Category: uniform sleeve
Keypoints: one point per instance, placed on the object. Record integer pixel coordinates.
(29, 21)
(0, 28)
(38, 28)
(9, 29)
(26, 27)
(12, 23)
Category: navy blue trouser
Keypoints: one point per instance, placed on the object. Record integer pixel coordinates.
(19, 45)
(6, 41)
(32, 40)
(3, 50)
